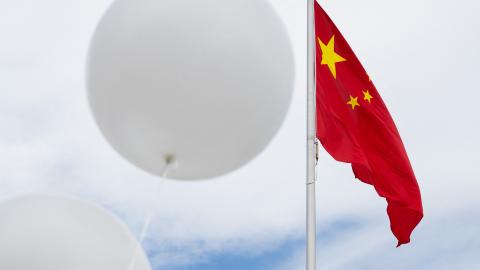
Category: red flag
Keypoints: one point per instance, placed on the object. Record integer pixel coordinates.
(354, 126)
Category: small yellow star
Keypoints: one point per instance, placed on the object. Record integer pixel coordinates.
(353, 102)
(367, 96)
(329, 56)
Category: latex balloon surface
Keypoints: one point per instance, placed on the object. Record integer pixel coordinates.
(208, 82)
(43, 232)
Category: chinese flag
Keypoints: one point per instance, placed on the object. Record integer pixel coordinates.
(354, 126)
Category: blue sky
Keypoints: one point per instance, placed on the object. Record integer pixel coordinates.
(424, 59)
(454, 243)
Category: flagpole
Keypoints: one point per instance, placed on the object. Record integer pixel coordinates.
(311, 138)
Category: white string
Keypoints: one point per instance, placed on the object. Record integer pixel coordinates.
(151, 213)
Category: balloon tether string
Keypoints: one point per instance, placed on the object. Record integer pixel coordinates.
(169, 160)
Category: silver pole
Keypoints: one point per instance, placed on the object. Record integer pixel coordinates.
(311, 137)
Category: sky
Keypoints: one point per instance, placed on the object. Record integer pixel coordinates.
(423, 57)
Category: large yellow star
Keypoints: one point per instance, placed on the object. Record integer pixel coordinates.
(329, 56)
(353, 102)
(367, 96)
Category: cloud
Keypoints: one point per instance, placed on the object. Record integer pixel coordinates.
(440, 243)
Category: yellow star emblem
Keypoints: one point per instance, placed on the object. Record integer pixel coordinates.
(353, 102)
(329, 56)
(367, 96)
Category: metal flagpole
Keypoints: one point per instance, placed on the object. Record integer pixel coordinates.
(311, 140)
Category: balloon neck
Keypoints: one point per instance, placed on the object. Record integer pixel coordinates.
(170, 163)
(169, 159)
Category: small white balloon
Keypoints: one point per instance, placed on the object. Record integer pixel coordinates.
(45, 232)
(207, 82)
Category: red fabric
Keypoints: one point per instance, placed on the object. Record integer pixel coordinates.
(363, 135)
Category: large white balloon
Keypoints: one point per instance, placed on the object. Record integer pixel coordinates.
(208, 82)
(45, 232)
